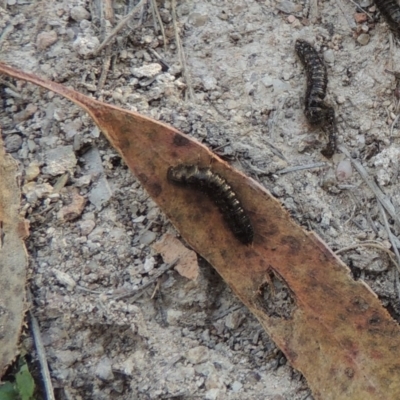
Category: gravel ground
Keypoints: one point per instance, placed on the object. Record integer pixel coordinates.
(93, 226)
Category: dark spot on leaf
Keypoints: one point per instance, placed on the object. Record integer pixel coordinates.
(360, 304)
(154, 189)
(374, 320)
(269, 229)
(180, 140)
(349, 372)
(292, 243)
(143, 178)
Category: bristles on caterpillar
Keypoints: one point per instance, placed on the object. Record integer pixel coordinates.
(317, 112)
(220, 192)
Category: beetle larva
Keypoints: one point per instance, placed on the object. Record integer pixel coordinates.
(390, 9)
(221, 194)
(317, 112)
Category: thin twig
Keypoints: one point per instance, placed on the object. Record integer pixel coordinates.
(107, 19)
(105, 68)
(393, 124)
(157, 14)
(367, 213)
(48, 387)
(121, 24)
(396, 251)
(301, 167)
(6, 32)
(355, 203)
(181, 53)
(383, 199)
(368, 244)
(156, 289)
(139, 291)
(390, 235)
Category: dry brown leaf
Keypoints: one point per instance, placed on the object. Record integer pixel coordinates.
(13, 260)
(171, 249)
(337, 333)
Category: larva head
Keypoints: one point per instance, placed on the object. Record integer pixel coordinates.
(181, 173)
(302, 47)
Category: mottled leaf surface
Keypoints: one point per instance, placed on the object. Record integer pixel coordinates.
(331, 328)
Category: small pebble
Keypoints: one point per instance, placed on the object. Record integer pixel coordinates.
(59, 160)
(147, 71)
(340, 99)
(234, 320)
(104, 370)
(365, 3)
(289, 7)
(85, 45)
(79, 13)
(147, 237)
(74, 209)
(198, 355)
(149, 264)
(365, 28)
(236, 386)
(46, 39)
(65, 279)
(344, 170)
(86, 227)
(23, 115)
(13, 143)
(363, 39)
(31, 171)
(360, 17)
(329, 56)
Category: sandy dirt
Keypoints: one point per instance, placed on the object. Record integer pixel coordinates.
(194, 339)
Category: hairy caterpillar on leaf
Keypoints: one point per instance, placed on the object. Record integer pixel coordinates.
(220, 192)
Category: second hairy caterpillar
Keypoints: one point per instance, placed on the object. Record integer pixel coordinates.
(220, 192)
(390, 9)
(317, 112)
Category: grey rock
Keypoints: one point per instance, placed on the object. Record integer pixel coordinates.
(59, 160)
(13, 143)
(363, 39)
(101, 191)
(198, 355)
(329, 56)
(236, 386)
(103, 370)
(147, 71)
(79, 13)
(86, 226)
(288, 7)
(234, 319)
(147, 237)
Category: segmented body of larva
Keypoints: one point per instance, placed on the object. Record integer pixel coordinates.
(317, 112)
(221, 194)
(390, 9)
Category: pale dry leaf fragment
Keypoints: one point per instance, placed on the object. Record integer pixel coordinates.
(13, 261)
(171, 248)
